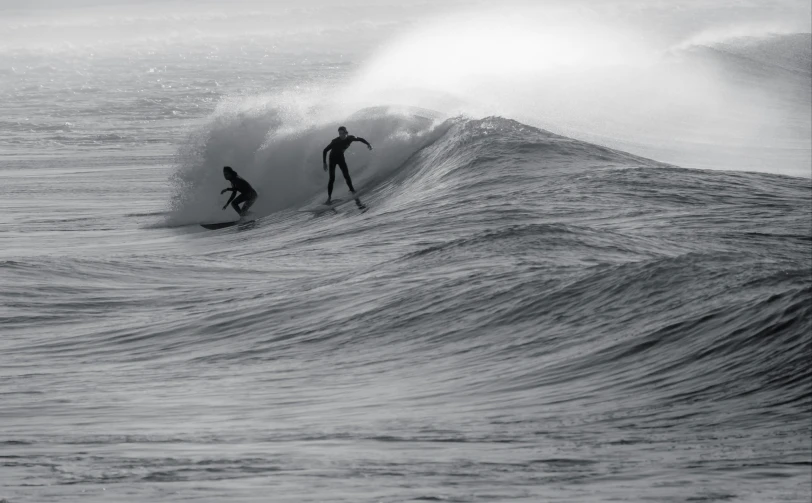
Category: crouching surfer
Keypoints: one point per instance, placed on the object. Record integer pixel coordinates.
(247, 193)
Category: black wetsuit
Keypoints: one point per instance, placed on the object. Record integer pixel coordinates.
(337, 148)
(247, 194)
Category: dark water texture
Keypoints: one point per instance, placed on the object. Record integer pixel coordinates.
(518, 316)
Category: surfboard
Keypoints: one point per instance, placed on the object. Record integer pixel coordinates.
(219, 225)
(322, 207)
(223, 225)
(335, 203)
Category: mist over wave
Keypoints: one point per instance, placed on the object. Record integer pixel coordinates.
(580, 74)
(761, 121)
(687, 83)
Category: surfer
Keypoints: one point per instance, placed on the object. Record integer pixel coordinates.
(336, 149)
(238, 184)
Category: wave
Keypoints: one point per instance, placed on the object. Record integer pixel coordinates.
(281, 155)
(277, 147)
(415, 151)
(790, 53)
(622, 240)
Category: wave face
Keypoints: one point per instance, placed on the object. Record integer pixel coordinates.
(517, 315)
(280, 151)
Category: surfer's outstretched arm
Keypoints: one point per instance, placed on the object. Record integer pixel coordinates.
(358, 138)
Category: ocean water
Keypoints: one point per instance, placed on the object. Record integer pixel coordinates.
(517, 314)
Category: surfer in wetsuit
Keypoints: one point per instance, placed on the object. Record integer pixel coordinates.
(247, 193)
(336, 149)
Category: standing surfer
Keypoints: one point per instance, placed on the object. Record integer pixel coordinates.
(336, 149)
(238, 184)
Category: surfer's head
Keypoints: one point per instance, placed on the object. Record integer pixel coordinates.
(342, 132)
(228, 173)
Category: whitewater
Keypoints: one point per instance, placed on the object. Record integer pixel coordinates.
(544, 298)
